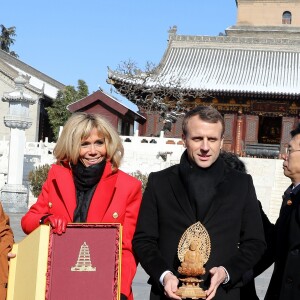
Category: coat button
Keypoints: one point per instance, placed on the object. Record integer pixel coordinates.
(115, 215)
(50, 204)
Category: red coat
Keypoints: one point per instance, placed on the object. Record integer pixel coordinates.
(116, 199)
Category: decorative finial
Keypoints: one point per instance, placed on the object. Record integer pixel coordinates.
(173, 30)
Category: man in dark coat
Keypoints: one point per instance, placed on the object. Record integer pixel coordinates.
(248, 290)
(200, 188)
(285, 280)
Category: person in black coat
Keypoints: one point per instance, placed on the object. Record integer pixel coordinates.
(248, 290)
(200, 188)
(285, 250)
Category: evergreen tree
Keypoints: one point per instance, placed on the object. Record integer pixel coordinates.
(6, 39)
(82, 89)
(58, 113)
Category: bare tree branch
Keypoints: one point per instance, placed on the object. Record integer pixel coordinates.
(152, 92)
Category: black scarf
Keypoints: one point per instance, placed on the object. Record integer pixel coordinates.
(200, 183)
(85, 180)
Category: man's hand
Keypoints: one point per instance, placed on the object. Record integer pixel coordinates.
(58, 223)
(171, 286)
(218, 276)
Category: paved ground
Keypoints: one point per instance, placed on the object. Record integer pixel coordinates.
(140, 286)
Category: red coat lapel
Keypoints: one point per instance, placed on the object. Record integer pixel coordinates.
(66, 188)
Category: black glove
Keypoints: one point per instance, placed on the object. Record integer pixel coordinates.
(123, 297)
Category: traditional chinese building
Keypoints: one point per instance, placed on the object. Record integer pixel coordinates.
(251, 75)
(119, 115)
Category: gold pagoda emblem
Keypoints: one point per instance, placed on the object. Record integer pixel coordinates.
(84, 263)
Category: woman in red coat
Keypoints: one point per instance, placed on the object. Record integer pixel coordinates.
(86, 185)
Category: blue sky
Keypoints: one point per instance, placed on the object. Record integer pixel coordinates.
(74, 39)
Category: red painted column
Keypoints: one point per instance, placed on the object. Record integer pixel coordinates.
(238, 136)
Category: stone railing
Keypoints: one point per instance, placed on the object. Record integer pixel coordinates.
(145, 154)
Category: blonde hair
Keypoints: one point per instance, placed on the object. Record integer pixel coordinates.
(78, 128)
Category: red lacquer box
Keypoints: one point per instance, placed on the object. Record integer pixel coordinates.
(82, 263)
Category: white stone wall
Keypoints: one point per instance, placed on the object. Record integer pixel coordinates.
(150, 157)
(267, 174)
(36, 154)
(5, 86)
(269, 182)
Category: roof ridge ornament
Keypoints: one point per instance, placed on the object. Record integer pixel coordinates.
(20, 81)
(172, 31)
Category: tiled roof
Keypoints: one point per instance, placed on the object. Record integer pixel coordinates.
(39, 82)
(228, 65)
(108, 100)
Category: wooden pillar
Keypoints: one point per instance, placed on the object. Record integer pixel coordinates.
(238, 137)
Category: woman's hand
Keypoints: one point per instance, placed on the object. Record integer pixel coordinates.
(10, 255)
(58, 223)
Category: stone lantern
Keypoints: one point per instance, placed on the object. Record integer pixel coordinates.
(14, 194)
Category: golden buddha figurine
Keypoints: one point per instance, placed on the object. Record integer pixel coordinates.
(193, 253)
(192, 264)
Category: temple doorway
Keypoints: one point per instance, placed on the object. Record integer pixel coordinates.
(269, 131)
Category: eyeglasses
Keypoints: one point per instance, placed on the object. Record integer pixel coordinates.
(290, 151)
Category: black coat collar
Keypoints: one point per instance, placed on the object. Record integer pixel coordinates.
(183, 200)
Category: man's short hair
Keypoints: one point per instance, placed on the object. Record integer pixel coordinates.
(295, 131)
(205, 113)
